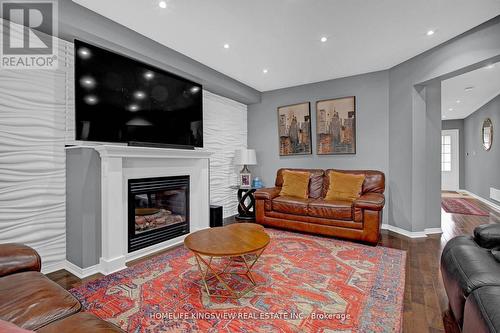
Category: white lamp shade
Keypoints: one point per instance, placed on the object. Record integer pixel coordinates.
(245, 157)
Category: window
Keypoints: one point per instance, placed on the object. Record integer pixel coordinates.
(445, 153)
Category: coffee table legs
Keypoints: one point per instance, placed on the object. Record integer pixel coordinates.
(218, 274)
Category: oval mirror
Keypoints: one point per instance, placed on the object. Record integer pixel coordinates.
(487, 134)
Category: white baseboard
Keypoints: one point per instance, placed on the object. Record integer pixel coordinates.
(412, 234)
(81, 272)
(486, 201)
(54, 267)
(432, 231)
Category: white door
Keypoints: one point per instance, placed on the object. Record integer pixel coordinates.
(450, 174)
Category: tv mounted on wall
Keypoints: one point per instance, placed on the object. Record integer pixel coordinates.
(119, 99)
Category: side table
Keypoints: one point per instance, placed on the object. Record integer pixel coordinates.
(246, 203)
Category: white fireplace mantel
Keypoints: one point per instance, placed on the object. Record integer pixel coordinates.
(121, 163)
(148, 152)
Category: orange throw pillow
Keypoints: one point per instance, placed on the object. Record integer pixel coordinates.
(295, 184)
(344, 186)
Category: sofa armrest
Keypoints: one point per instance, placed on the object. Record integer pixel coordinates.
(487, 235)
(267, 193)
(370, 201)
(15, 258)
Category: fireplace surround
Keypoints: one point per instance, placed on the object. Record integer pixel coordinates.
(98, 231)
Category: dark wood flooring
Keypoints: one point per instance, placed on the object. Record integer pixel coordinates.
(425, 301)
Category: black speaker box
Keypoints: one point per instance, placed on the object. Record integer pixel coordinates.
(215, 216)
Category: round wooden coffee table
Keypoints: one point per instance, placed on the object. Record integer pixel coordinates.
(241, 243)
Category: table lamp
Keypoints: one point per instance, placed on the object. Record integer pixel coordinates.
(245, 157)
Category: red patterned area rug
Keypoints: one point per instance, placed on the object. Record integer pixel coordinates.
(304, 284)
(461, 206)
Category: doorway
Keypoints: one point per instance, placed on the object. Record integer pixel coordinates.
(450, 165)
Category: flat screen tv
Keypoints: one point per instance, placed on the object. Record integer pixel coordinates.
(119, 99)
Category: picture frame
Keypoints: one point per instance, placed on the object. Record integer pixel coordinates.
(294, 129)
(336, 126)
(245, 180)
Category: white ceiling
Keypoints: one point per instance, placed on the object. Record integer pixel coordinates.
(283, 36)
(486, 85)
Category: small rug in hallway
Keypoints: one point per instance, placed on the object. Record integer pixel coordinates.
(305, 284)
(461, 206)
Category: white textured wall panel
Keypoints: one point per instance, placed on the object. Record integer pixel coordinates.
(225, 130)
(32, 159)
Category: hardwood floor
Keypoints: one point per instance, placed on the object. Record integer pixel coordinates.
(425, 301)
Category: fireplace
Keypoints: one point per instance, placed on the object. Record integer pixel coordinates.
(158, 210)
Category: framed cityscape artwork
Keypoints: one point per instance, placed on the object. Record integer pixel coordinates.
(336, 126)
(294, 128)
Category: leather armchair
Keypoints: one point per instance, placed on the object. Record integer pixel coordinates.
(16, 258)
(31, 301)
(359, 220)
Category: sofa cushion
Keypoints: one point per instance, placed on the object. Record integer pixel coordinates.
(331, 209)
(295, 184)
(6, 327)
(487, 235)
(374, 180)
(291, 205)
(82, 322)
(30, 300)
(344, 186)
(315, 182)
(466, 267)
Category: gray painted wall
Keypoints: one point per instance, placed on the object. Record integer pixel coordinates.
(83, 207)
(78, 22)
(482, 167)
(459, 125)
(405, 116)
(408, 209)
(371, 91)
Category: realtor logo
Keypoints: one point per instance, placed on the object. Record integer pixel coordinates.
(29, 30)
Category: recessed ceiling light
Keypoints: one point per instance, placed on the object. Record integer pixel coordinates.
(226, 46)
(162, 4)
(91, 99)
(265, 70)
(194, 89)
(490, 66)
(87, 82)
(133, 107)
(323, 39)
(149, 75)
(139, 94)
(450, 109)
(459, 101)
(430, 32)
(469, 88)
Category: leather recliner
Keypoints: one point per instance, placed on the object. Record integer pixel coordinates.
(31, 301)
(358, 220)
(471, 276)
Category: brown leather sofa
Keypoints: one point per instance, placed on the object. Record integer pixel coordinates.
(31, 301)
(359, 220)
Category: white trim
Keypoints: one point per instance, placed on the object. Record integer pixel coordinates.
(171, 243)
(483, 200)
(455, 155)
(82, 272)
(411, 234)
(432, 231)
